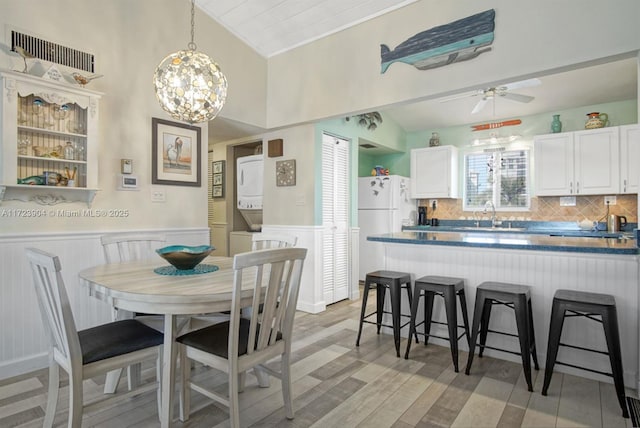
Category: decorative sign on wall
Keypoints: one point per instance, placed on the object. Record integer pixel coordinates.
(457, 41)
(286, 173)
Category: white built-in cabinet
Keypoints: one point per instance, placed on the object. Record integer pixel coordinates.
(578, 163)
(629, 158)
(434, 172)
(49, 135)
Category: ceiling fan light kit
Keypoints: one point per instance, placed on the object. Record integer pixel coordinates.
(492, 92)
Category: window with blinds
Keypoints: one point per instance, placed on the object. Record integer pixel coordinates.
(499, 176)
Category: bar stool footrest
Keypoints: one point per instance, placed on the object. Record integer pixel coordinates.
(583, 348)
(585, 368)
(498, 349)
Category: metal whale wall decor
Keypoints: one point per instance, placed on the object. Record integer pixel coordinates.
(457, 41)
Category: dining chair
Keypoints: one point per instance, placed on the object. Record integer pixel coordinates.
(128, 247)
(240, 343)
(131, 246)
(264, 240)
(86, 353)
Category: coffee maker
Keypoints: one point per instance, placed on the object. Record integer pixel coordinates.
(422, 216)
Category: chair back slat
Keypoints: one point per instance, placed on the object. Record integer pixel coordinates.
(275, 275)
(131, 247)
(54, 303)
(263, 241)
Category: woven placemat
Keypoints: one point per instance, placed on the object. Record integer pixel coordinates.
(171, 270)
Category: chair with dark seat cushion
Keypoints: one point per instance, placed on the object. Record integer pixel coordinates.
(240, 344)
(87, 353)
(130, 247)
(572, 303)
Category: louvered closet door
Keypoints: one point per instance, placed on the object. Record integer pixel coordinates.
(335, 218)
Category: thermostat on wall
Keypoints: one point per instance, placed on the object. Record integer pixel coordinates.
(127, 182)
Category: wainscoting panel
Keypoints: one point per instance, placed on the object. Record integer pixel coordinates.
(311, 298)
(23, 344)
(545, 272)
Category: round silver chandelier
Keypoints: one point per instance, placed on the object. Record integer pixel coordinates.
(189, 85)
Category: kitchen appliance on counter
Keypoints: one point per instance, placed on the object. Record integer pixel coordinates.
(249, 175)
(615, 223)
(422, 216)
(383, 206)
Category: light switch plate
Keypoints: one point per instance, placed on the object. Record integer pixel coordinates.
(126, 166)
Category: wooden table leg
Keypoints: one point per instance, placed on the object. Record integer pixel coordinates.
(168, 371)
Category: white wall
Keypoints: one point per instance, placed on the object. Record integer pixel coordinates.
(129, 39)
(340, 74)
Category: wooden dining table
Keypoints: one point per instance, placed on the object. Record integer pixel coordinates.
(135, 287)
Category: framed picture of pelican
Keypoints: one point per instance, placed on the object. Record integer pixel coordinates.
(175, 153)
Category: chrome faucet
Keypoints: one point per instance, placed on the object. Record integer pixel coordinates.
(494, 222)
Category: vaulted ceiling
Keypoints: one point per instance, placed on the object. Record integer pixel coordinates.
(275, 26)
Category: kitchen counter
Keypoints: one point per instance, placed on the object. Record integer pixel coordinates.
(545, 263)
(506, 239)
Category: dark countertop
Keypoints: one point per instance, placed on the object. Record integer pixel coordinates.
(518, 240)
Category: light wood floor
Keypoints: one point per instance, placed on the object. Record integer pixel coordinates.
(339, 385)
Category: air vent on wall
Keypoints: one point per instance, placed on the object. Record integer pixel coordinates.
(53, 52)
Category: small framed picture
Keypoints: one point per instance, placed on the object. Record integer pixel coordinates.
(218, 167)
(217, 181)
(175, 153)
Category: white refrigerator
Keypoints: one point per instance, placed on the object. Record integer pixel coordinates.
(383, 206)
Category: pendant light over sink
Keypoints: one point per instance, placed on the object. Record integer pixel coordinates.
(189, 85)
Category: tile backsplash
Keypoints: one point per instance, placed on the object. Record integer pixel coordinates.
(546, 208)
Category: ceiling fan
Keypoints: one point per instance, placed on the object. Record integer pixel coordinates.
(491, 93)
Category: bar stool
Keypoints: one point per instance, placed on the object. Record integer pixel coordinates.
(516, 297)
(448, 288)
(569, 303)
(394, 281)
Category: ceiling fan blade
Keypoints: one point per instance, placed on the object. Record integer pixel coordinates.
(479, 106)
(521, 84)
(518, 97)
(460, 96)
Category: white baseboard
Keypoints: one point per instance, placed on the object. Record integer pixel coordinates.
(23, 365)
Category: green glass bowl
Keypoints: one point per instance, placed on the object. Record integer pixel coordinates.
(185, 257)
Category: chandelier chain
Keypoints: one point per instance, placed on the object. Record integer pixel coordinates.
(192, 45)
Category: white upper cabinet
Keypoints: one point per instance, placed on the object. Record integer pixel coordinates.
(597, 160)
(578, 163)
(49, 146)
(553, 157)
(629, 158)
(434, 172)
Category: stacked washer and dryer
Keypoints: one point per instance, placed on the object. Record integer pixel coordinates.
(250, 191)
